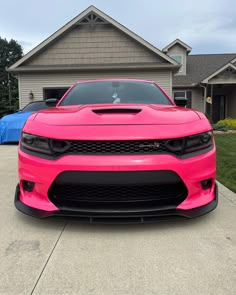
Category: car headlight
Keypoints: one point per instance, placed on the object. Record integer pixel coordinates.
(198, 142)
(190, 143)
(35, 143)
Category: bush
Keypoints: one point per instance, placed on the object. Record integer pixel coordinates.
(220, 127)
(228, 122)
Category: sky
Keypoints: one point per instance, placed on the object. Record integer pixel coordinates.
(208, 26)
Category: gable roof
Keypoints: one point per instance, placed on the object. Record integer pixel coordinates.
(201, 66)
(177, 41)
(228, 65)
(99, 17)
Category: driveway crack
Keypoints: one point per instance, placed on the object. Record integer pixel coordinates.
(50, 255)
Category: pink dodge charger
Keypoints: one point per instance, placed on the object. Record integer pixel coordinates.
(117, 150)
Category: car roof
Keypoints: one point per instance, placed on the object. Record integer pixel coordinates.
(115, 79)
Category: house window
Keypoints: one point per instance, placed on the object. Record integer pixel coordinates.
(179, 59)
(184, 93)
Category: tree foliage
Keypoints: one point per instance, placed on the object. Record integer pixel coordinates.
(10, 52)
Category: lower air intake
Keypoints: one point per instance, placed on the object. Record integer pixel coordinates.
(115, 190)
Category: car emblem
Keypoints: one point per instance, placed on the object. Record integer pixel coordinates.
(155, 145)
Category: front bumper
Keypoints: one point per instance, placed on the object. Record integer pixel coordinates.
(151, 216)
(43, 173)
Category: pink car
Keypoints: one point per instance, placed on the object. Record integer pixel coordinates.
(117, 150)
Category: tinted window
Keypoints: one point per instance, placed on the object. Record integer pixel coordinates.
(102, 92)
(35, 106)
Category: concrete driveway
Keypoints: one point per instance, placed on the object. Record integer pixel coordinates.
(55, 256)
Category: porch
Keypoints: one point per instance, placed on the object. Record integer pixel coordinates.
(223, 98)
(220, 88)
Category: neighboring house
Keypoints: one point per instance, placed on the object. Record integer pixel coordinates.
(205, 76)
(93, 45)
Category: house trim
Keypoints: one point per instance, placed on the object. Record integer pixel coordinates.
(233, 61)
(19, 89)
(177, 41)
(186, 86)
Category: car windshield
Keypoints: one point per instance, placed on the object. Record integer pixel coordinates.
(107, 92)
(35, 106)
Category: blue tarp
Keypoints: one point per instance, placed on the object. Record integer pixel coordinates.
(11, 125)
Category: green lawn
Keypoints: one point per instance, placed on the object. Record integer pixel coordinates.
(226, 159)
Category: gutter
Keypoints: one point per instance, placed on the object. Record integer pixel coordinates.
(98, 67)
(186, 86)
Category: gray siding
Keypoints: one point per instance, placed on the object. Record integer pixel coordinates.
(177, 49)
(101, 44)
(198, 99)
(36, 82)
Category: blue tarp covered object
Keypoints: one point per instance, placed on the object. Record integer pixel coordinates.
(11, 125)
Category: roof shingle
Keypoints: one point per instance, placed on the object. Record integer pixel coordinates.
(200, 67)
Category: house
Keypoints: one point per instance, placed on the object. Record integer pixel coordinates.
(93, 45)
(205, 76)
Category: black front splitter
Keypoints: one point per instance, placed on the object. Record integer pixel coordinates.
(118, 217)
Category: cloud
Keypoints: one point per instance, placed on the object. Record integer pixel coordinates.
(205, 25)
(218, 31)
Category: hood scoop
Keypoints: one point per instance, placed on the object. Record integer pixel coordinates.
(116, 111)
(110, 115)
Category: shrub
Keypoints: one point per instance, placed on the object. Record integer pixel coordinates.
(228, 122)
(220, 127)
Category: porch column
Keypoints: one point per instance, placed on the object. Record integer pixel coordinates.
(211, 99)
(204, 99)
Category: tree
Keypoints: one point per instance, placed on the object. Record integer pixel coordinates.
(10, 52)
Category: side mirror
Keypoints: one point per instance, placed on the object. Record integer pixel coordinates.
(51, 101)
(181, 101)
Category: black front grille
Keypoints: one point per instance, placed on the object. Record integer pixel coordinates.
(116, 193)
(115, 147)
(127, 192)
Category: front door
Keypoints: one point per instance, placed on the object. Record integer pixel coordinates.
(218, 108)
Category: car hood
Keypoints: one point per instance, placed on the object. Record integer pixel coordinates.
(116, 115)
